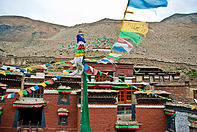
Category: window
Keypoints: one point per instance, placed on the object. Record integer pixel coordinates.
(151, 78)
(63, 120)
(171, 78)
(124, 110)
(125, 96)
(161, 79)
(64, 98)
(101, 78)
(195, 94)
(139, 78)
(121, 96)
(120, 110)
(129, 95)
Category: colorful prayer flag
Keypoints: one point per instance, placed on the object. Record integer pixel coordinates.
(122, 45)
(130, 35)
(147, 4)
(136, 27)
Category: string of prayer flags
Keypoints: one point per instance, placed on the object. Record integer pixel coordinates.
(112, 57)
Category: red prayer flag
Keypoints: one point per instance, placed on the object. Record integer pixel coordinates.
(28, 90)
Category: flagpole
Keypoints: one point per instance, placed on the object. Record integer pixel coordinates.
(121, 25)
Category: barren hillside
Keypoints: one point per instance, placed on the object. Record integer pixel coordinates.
(172, 40)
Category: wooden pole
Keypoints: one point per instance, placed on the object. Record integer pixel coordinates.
(22, 84)
(122, 24)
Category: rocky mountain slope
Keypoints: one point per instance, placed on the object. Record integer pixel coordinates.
(172, 40)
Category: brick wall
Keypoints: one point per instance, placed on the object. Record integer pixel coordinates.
(101, 119)
(7, 118)
(51, 115)
(178, 92)
(151, 119)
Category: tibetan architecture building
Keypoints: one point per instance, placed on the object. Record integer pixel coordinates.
(113, 105)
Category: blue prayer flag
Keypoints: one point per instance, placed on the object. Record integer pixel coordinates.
(86, 67)
(12, 95)
(36, 87)
(147, 4)
(58, 77)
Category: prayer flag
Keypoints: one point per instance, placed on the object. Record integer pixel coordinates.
(33, 88)
(58, 77)
(23, 70)
(54, 79)
(91, 68)
(43, 84)
(112, 57)
(147, 4)
(28, 90)
(20, 93)
(25, 92)
(9, 96)
(47, 82)
(85, 67)
(8, 72)
(49, 65)
(136, 27)
(50, 81)
(3, 72)
(130, 35)
(95, 72)
(122, 45)
(29, 68)
(36, 87)
(100, 72)
(12, 95)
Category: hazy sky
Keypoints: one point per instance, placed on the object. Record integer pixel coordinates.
(71, 12)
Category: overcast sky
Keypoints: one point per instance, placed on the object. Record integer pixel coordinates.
(71, 12)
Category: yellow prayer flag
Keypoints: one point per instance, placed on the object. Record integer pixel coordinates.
(192, 107)
(43, 84)
(57, 63)
(136, 27)
(3, 72)
(29, 68)
(65, 73)
(20, 93)
(147, 93)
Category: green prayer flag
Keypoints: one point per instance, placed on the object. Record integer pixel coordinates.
(133, 36)
(8, 72)
(100, 72)
(47, 82)
(85, 121)
(25, 92)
